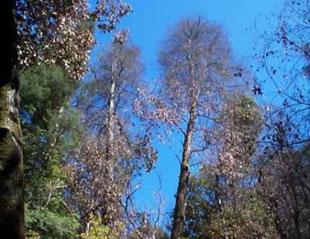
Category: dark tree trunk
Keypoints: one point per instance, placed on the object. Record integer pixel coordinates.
(277, 220)
(296, 213)
(179, 209)
(218, 196)
(11, 172)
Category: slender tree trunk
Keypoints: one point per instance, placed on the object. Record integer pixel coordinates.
(110, 123)
(277, 220)
(297, 227)
(218, 197)
(233, 192)
(296, 214)
(11, 169)
(179, 210)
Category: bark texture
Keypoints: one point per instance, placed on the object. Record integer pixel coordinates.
(111, 113)
(179, 210)
(11, 169)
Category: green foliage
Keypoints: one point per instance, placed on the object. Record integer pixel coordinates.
(51, 128)
(243, 112)
(200, 203)
(44, 90)
(249, 220)
(97, 230)
(50, 225)
(206, 218)
(246, 112)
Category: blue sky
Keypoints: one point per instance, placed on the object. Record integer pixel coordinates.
(244, 21)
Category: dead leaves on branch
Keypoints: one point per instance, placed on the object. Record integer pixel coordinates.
(61, 32)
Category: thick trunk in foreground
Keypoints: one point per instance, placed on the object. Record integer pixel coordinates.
(179, 209)
(11, 172)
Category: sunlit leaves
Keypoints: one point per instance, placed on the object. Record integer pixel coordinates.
(61, 32)
(241, 125)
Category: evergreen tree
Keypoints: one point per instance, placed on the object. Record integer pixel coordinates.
(50, 128)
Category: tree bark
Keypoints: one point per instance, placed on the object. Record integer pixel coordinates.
(218, 196)
(179, 210)
(111, 114)
(296, 213)
(11, 164)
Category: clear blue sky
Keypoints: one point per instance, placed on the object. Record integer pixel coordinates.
(242, 20)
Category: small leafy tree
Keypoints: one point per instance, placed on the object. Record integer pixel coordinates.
(206, 217)
(222, 201)
(98, 230)
(241, 124)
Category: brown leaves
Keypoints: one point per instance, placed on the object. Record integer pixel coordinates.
(152, 108)
(97, 183)
(52, 32)
(61, 31)
(108, 13)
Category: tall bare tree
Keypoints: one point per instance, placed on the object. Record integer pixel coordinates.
(195, 61)
(116, 151)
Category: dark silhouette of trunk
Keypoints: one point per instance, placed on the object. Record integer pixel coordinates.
(297, 227)
(296, 213)
(218, 198)
(11, 169)
(179, 210)
(233, 192)
(277, 220)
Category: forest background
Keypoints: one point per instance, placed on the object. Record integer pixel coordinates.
(189, 119)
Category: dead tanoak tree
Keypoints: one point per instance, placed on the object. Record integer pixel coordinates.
(195, 62)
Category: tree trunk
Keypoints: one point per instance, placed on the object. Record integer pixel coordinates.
(277, 220)
(218, 196)
(110, 123)
(296, 213)
(11, 169)
(179, 210)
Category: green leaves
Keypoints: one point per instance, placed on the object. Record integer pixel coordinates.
(44, 90)
(51, 128)
(98, 230)
(51, 225)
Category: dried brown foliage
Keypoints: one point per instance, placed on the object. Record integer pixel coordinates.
(61, 32)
